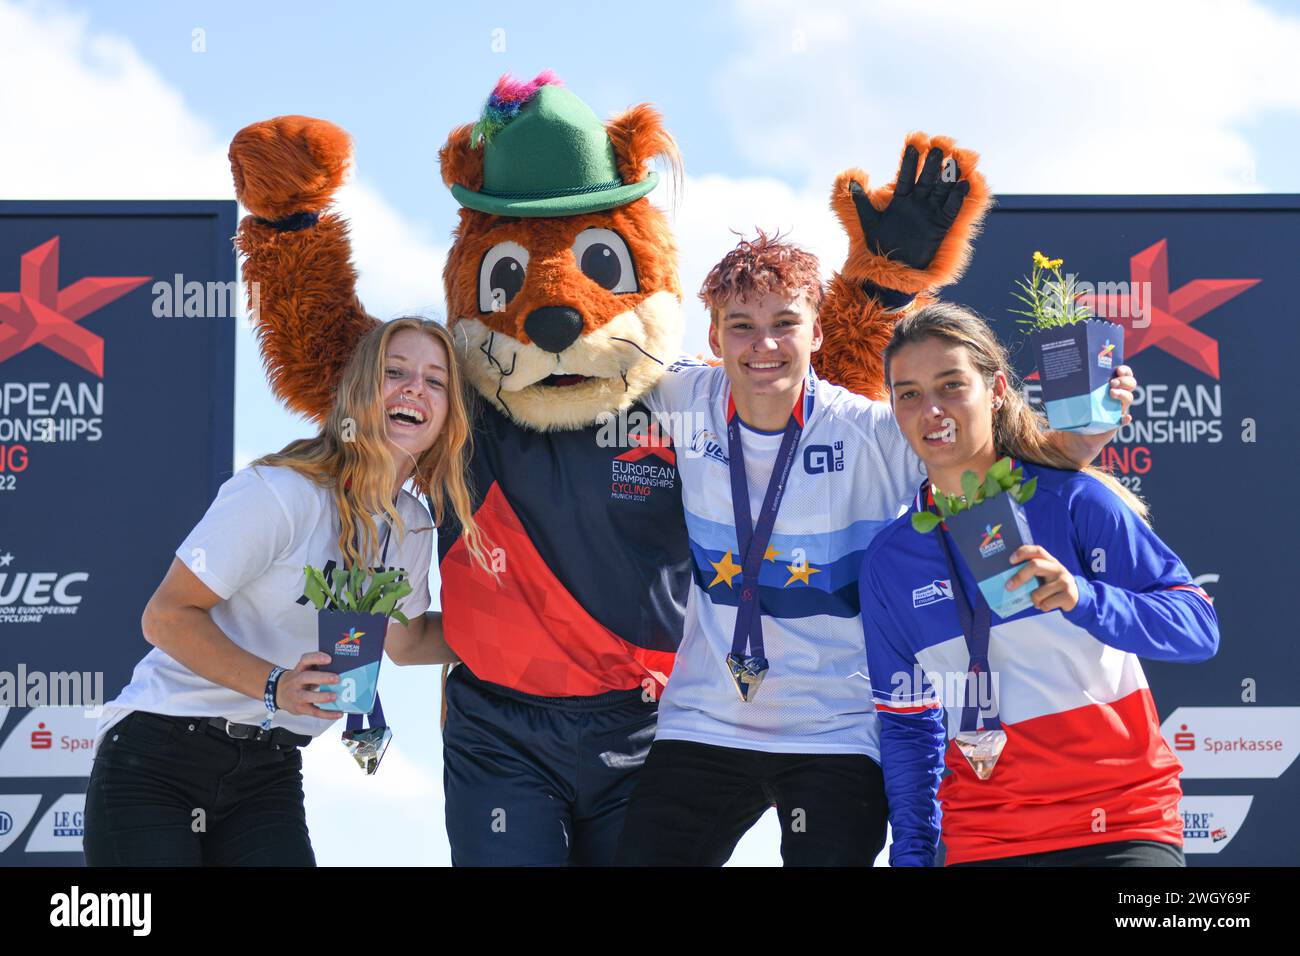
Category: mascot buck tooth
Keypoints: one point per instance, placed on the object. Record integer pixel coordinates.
(563, 296)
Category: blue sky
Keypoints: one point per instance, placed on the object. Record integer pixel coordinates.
(768, 100)
(400, 76)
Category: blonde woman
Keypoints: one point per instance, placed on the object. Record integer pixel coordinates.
(215, 714)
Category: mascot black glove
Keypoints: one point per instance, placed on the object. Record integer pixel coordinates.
(912, 226)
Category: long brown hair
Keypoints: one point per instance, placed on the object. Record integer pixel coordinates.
(350, 455)
(1018, 430)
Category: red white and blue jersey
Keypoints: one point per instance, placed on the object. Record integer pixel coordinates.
(853, 473)
(1084, 760)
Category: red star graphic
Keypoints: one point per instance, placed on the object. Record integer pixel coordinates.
(651, 442)
(40, 313)
(1171, 314)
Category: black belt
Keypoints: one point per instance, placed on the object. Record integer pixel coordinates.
(276, 736)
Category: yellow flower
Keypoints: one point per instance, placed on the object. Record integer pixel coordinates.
(1054, 263)
(1039, 259)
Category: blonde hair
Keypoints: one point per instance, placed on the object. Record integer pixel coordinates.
(1018, 430)
(350, 455)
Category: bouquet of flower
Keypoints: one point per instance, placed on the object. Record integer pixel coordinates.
(350, 591)
(1000, 478)
(987, 525)
(1052, 299)
(1075, 351)
(353, 608)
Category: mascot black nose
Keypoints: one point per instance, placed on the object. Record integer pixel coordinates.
(553, 327)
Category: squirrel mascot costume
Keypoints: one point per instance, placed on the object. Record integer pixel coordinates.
(563, 297)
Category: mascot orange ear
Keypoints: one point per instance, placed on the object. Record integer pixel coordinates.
(639, 136)
(460, 163)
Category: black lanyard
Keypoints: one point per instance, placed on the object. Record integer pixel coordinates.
(383, 557)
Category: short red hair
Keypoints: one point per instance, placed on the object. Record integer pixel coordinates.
(766, 264)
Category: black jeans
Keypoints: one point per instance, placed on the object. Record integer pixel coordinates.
(1119, 853)
(693, 803)
(163, 794)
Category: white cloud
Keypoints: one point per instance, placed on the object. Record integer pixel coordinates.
(1111, 96)
(88, 118)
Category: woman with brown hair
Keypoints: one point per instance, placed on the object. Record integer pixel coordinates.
(1073, 770)
(197, 760)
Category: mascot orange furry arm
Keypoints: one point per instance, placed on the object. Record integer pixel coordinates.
(563, 298)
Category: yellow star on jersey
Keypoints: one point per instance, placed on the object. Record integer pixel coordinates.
(770, 554)
(800, 573)
(726, 568)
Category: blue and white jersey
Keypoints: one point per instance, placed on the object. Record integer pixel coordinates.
(853, 474)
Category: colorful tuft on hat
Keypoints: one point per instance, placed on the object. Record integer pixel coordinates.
(507, 99)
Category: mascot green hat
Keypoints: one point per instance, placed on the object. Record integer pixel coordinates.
(545, 153)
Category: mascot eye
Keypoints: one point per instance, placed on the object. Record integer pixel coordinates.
(603, 258)
(501, 276)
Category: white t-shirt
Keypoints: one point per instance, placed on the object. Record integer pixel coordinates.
(852, 475)
(265, 526)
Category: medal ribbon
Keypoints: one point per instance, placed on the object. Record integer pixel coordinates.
(975, 626)
(753, 540)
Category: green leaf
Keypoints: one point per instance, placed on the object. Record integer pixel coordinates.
(388, 584)
(1000, 468)
(339, 588)
(400, 618)
(991, 487)
(385, 578)
(941, 502)
(970, 484)
(925, 521)
(315, 588)
(1027, 490)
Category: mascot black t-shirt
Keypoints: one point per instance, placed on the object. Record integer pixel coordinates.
(578, 527)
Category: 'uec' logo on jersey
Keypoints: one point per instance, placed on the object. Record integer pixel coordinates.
(820, 459)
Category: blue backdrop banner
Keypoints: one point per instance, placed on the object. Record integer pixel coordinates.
(1201, 285)
(117, 357)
